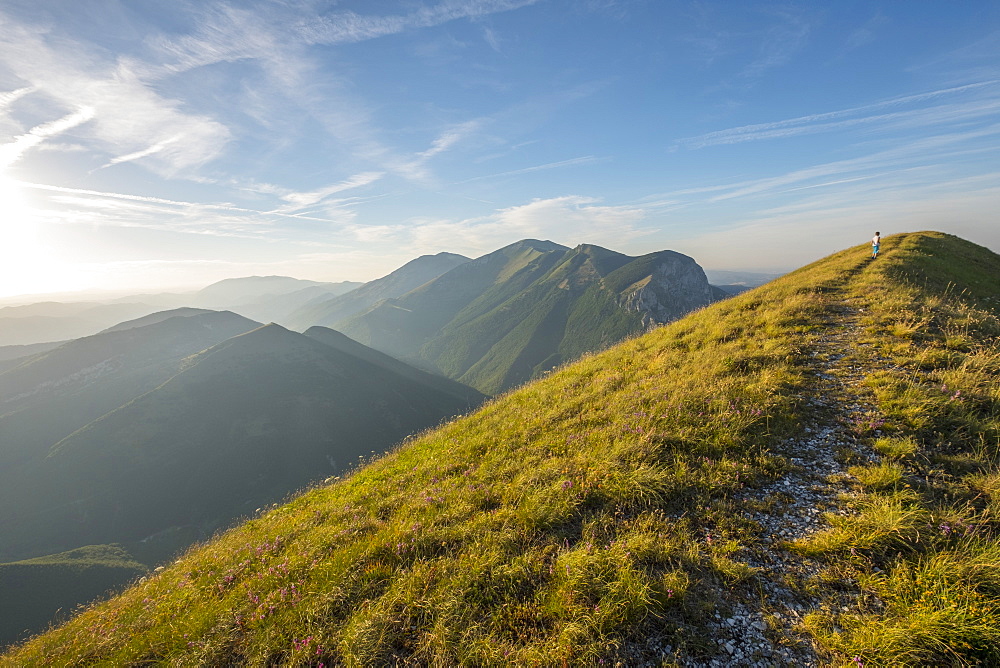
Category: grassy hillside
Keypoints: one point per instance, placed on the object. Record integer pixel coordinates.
(805, 473)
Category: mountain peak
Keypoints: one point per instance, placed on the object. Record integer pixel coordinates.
(535, 244)
(159, 316)
(436, 259)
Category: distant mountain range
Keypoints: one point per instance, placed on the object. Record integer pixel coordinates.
(513, 314)
(267, 298)
(263, 298)
(294, 303)
(59, 321)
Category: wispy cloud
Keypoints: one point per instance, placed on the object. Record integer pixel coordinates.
(415, 168)
(301, 200)
(450, 137)
(135, 198)
(10, 97)
(866, 33)
(572, 162)
(12, 152)
(111, 209)
(127, 115)
(977, 107)
(924, 150)
(974, 61)
(780, 42)
(277, 42)
(348, 27)
(129, 157)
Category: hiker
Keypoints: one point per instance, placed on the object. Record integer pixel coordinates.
(875, 243)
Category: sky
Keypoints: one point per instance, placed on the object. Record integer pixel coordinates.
(152, 145)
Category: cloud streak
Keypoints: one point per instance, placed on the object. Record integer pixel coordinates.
(349, 27)
(863, 115)
(572, 162)
(10, 97)
(152, 150)
(12, 152)
(301, 200)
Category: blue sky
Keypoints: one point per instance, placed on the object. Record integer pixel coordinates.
(160, 144)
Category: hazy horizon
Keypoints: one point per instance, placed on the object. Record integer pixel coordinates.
(93, 294)
(146, 148)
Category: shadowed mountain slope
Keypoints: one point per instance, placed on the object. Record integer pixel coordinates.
(159, 316)
(242, 424)
(804, 474)
(142, 432)
(12, 356)
(35, 588)
(46, 397)
(345, 344)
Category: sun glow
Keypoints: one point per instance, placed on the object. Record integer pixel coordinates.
(26, 264)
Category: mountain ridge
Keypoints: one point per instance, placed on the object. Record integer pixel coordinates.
(513, 314)
(411, 275)
(804, 474)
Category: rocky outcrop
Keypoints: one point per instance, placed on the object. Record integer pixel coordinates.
(676, 285)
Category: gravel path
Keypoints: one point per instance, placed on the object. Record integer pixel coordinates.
(817, 483)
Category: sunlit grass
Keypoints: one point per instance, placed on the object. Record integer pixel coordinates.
(922, 542)
(597, 508)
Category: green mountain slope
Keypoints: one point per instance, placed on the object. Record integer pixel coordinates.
(514, 314)
(803, 474)
(411, 275)
(463, 393)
